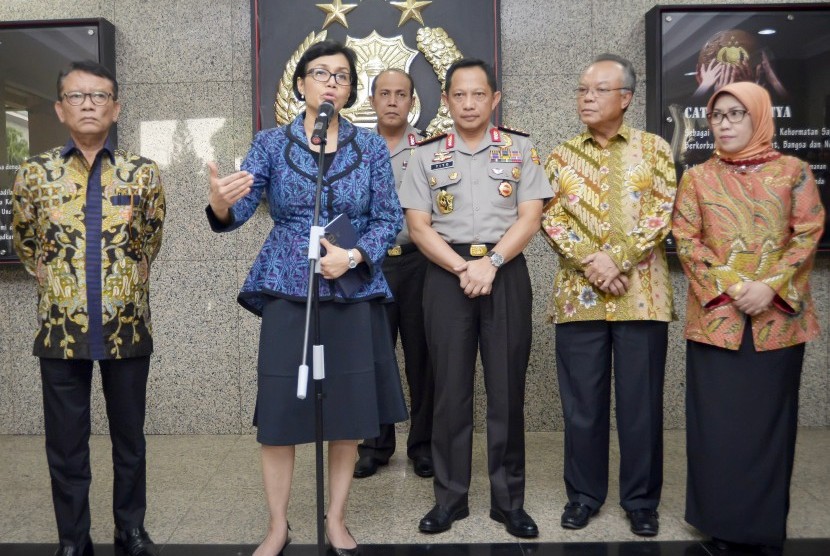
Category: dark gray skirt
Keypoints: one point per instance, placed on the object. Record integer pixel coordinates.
(741, 424)
(362, 388)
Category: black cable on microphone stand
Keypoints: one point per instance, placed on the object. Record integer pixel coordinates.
(318, 137)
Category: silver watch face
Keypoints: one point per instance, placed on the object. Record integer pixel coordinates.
(496, 259)
(352, 262)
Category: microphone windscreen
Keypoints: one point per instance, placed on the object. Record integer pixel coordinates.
(326, 109)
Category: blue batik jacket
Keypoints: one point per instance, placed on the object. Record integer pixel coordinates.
(359, 182)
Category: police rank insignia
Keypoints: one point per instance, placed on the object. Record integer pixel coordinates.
(441, 156)
(505, 189)
(433, 181)
(516, 173)
(445, 202)
(441, 159)
(534, 156)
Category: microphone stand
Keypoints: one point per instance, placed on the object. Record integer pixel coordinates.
(319, 373)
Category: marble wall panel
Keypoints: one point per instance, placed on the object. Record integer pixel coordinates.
(186, 75)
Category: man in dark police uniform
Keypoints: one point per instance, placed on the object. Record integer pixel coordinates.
(474, 198)
(393, 95)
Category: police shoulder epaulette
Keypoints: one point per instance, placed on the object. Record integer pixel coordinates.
(429, 140)
(514, 131)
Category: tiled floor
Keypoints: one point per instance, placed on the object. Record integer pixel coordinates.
(796, 547)
(206, 490)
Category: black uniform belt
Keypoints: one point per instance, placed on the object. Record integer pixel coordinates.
(398, 250)
(472, 249)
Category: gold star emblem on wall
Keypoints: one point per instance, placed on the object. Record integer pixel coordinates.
(411, 9)
(336, 11)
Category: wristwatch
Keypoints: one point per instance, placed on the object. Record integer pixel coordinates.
(352, 262)
(495, 259)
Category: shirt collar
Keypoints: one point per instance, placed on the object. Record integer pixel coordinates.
(624, 133)
(404, 142)
(70, 147)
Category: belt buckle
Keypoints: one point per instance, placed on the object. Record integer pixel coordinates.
(395, 251)
(478, 250)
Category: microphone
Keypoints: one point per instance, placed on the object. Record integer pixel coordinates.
(321, 124)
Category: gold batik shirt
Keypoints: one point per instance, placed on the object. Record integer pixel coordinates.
(49, 225)
(618, 200)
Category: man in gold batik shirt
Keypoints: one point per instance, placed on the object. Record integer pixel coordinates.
(88, 221)
(614, 189)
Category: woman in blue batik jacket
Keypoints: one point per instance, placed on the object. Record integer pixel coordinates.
(362, 386)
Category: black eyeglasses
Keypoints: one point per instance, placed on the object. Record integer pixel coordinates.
(598, 92)
(77, 98)
(733, 116)
(323, 76)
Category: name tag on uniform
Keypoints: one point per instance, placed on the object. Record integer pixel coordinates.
(438, 165)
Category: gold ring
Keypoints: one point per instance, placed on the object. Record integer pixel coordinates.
(600, 281)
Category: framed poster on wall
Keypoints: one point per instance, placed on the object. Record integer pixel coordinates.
(691, 51)
(32, 53)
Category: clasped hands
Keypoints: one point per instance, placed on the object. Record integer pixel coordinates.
(476, 277)
(751, 297)
(602, 272)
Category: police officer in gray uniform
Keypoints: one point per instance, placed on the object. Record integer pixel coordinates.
(473, 199)
(393, 95)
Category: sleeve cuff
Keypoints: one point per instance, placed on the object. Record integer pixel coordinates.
(722, 299)
(782, 305)
(369, 271)
(215, 224)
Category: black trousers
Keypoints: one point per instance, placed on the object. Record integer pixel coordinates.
(66, 405)
(499, 326)
(741, 426)
(405, 275)
(584, 353)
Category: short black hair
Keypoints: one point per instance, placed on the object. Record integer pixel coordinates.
(88, 66)
(326, 48)
(394, 70)
(629, 75)
(471, 63)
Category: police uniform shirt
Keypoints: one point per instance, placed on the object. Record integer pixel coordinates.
(400, 157)
(473, 195)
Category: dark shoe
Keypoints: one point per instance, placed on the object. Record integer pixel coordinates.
(644, 522)
(517, 522)
(344, 551)
(134, 542)
(367, 466)
(422, 466)
(439, 519)
(577, 515)
(83, 550)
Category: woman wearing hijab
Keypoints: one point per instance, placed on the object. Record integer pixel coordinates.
(747, 222)
(362, 388)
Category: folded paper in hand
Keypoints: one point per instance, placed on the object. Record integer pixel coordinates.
(341, 232)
